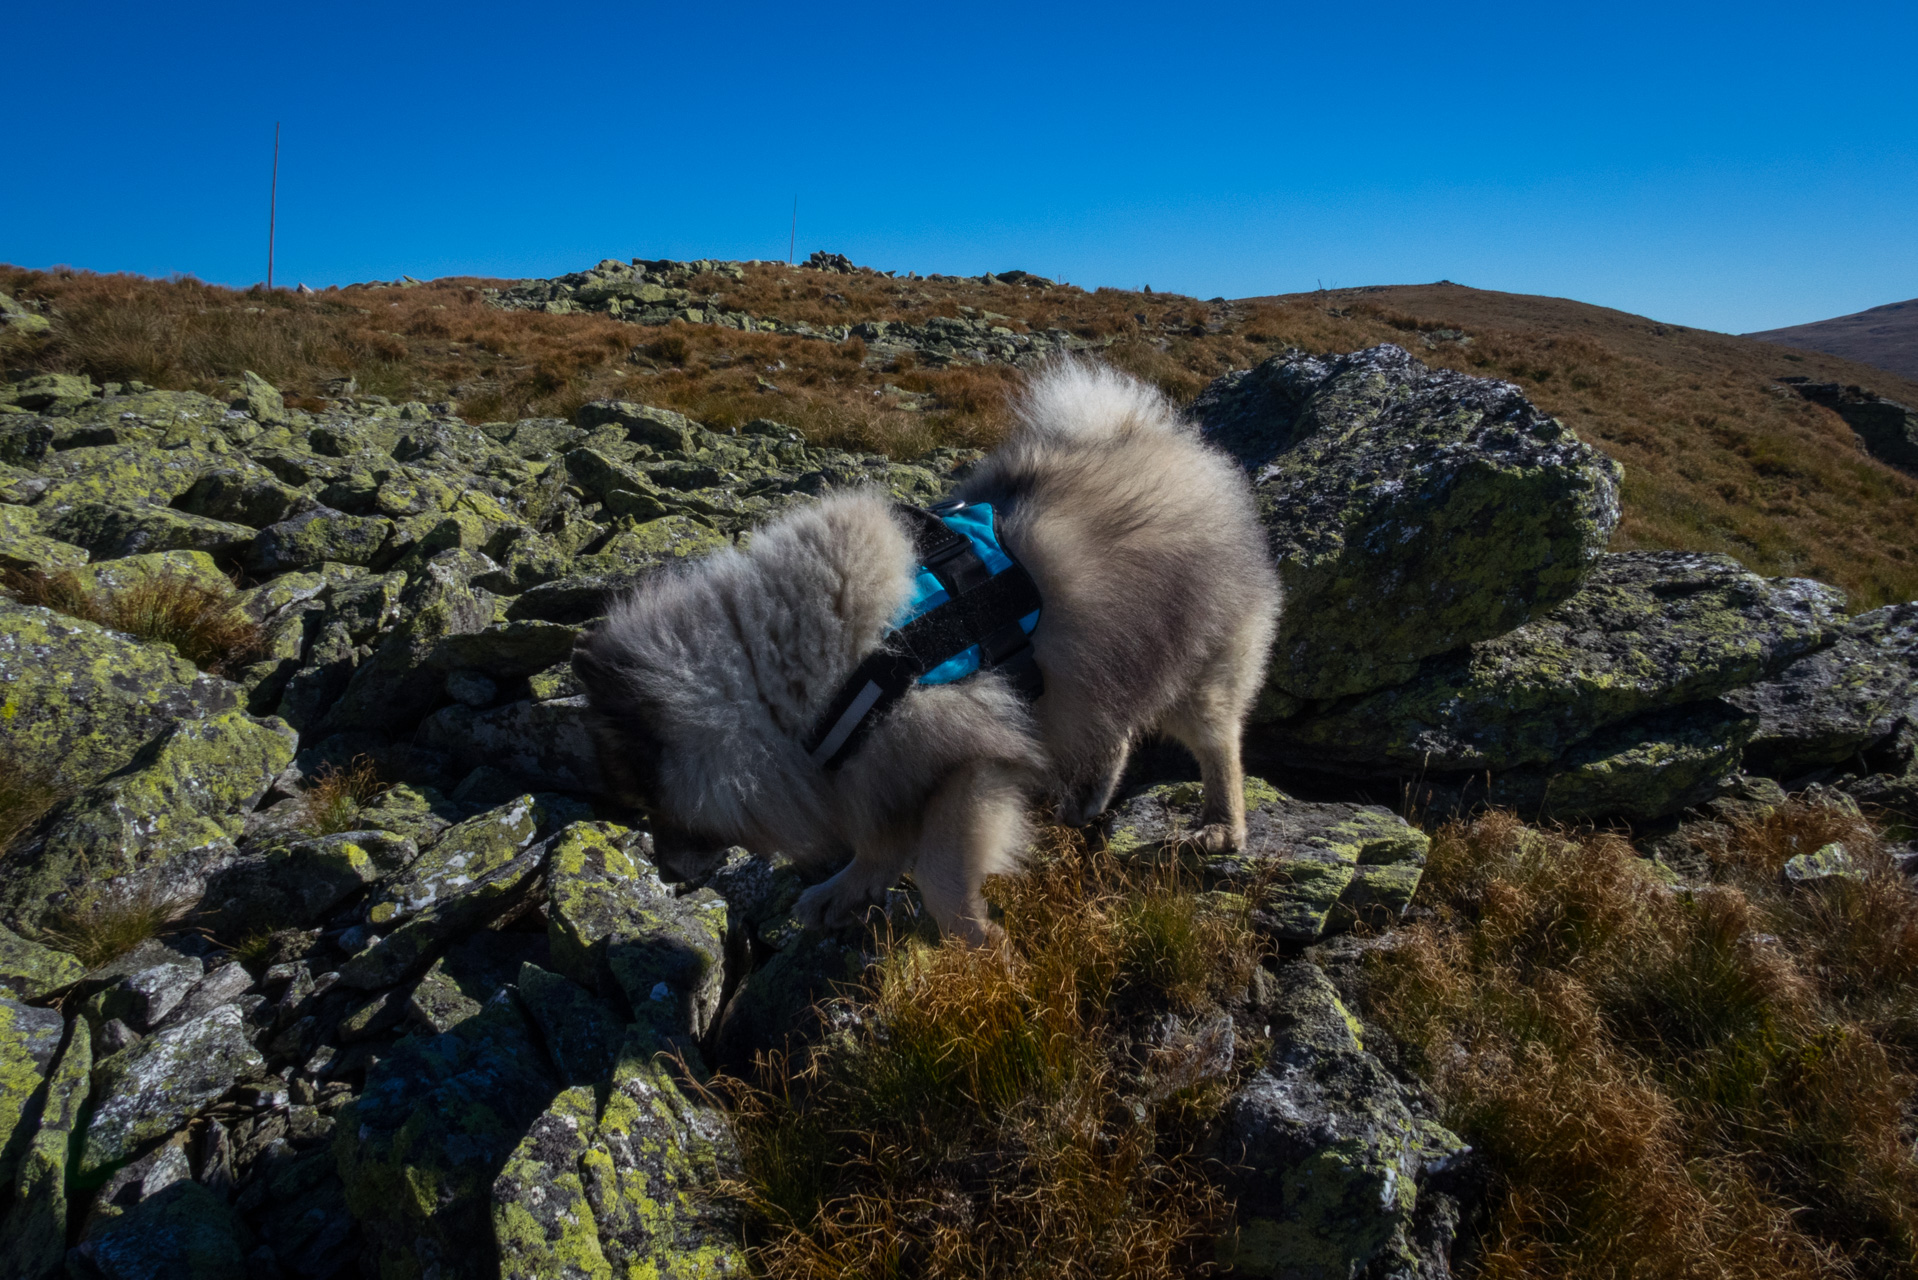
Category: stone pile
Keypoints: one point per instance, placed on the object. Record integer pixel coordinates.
(657, 292)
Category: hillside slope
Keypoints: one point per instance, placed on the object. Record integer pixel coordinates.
(1718, 456)
(1884, 337)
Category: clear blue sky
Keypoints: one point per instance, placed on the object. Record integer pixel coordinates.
(1728, 166)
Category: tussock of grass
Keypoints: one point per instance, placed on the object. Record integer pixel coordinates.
(1706, 1082)
(109, 927)
(984, 1114)
(26, 796)
(333, 800)
(204, 623)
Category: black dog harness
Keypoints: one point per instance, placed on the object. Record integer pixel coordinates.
(973, 612)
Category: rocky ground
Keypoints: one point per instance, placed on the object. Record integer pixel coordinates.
(461, 1024)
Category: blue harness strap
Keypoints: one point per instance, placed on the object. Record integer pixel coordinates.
(973, 607)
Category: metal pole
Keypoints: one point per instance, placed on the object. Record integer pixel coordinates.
(794, 242)
(273, 206)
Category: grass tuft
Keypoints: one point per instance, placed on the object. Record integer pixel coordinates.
(986, 1112)
(203, 623)
(1709, 1081)
(26, 796)
(108, 927)
(333, 800)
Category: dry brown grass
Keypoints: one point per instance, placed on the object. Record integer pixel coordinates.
(1716, 459)
(26, 796)
(333, 799)
(205, 624)
(112, 925)
(1697, 1083)
(981, 1118)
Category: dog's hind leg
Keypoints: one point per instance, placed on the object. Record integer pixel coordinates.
(974, 826)
(1209, 724)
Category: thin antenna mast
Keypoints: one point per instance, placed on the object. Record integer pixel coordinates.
(273, 206)
(793, 243)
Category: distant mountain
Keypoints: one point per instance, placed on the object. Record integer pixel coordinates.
(1886, 337)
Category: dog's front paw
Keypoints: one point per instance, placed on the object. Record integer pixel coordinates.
(1219, 837)
(836, 903)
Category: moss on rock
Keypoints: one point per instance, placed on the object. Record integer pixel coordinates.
(33, 1230)
(156, 828)
(1411, 511)
(1315, 867)
(1648, 630)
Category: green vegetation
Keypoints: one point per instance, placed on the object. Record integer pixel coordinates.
(987, 1111)
(1699, 1081)
(202, 622)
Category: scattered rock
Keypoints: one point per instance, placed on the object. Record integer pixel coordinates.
(1317, 867)
(30, 971)
(1338, 1164)
(147, 1091)
(1411, 510)
(33, 1229)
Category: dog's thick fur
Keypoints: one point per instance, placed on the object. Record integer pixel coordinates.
(1159, 607)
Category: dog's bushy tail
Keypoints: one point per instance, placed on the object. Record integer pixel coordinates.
(1072, 401)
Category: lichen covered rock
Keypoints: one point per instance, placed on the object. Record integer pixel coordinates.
(182, 1232)
(33, 1229)
(23, 547)
(465, 853)
(1329, 1158)
(1411, 510)
(296, 885)
(1315, 867)
(158, 827)
(616, 928)
(420, 1149)
(1827, 706)
(29, 1039)
(77, 701)
(546, 744)
(151, 1088)
(29, 970)
(1648, 630)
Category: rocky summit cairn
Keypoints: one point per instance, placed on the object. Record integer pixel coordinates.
(422, 1003)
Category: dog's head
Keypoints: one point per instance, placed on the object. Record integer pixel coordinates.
(624, 722)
